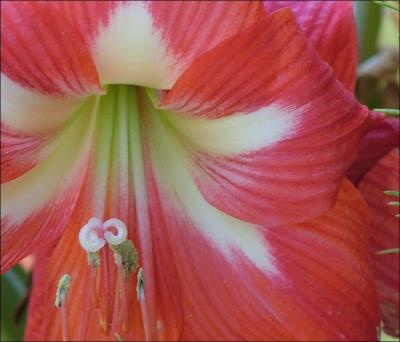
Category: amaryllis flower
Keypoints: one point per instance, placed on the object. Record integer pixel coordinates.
(384, 177)
(178, 169)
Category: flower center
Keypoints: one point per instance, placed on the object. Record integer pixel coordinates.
(116, 177)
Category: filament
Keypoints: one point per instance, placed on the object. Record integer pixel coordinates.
(123, 315)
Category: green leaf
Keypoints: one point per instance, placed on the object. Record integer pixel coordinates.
(389, 111)
(14, 289)
(389, 251)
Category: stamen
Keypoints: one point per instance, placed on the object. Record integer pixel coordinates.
(127, 260)
(60, 302)
(140, 292)
(140, 285)
(120, 227)
(89, 238)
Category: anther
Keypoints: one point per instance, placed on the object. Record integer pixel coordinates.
(60, 302)
(140, 285)
(119, 226)
(94, 259)
(62, 290)
(126, 256)
(141, 296)
(89, 238)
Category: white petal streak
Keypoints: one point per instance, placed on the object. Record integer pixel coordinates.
(236, 133)
(27, 194)
(30, 112)
(230, 235)
(130, 51)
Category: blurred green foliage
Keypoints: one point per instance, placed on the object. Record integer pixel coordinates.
(378, 34)
(368, 16)
(14, 291)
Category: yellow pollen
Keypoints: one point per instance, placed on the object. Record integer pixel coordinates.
(126, 256)
(62, 290)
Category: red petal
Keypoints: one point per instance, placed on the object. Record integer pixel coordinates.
(118, 39)
(202, 24)
(383, 135)
(19, 152)
(321, 287)
(331, 28)
(20, 239)
(43, 52)
(386, 235)
(295, 176)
